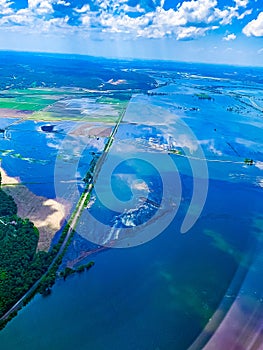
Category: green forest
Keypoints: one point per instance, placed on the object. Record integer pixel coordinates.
(20, 263)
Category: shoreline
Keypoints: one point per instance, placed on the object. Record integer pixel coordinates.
(48, 215)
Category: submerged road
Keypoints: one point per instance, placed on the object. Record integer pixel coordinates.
(103, 157)
(72, 226)
(72, 221)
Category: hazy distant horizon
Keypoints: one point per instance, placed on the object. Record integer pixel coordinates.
(118, 58)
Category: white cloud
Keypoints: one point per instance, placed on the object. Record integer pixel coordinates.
(168, 18)
(245, 13)
(64, 3)
(259, 165)
(229, 12)
(190, 19)
(124, 23)
(255, 27)
(260, 51)
(197, 11)
(111, 6)
(227, 15)
(136, 9)
(21, 17)
(192, 32)
(83, 9)
(41, 7)
(55, 23)
(230, 37)
(85, 20)
(241, 3)
(5, 8)
(31, 20)
(186, 22)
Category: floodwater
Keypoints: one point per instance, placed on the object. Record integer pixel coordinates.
(160, 288)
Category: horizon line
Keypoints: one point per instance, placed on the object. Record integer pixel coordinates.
(128, 58)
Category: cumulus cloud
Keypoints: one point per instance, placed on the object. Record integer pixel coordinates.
(55, 23)
(196, 11)
(5, 8)
(133, 9)
(37, 17)
(41, 7)
(241, 3)
(227, 15)
(230, 37)
(245, 13)
(85, 20)
(123, 23)
(189, 20)
(192, 32)
(21, 17)
(64, 3)
(83, 9)
(255, 27)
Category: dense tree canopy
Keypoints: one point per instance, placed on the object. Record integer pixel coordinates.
(7, 205)
(20, 265)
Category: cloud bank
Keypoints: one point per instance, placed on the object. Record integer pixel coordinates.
(150, 19)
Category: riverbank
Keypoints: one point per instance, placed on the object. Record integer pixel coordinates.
(48, 215)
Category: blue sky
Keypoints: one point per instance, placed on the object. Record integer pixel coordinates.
(217, 31)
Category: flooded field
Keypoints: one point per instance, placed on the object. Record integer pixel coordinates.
(177, 193)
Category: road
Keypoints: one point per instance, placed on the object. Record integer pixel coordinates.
(103, 157)
(73, 222)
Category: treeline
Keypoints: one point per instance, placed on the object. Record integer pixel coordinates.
(69, 271)
(20, 265)
(7, 205)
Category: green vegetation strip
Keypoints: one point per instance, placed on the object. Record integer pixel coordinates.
(20, 265)
(25, 272)
(29, 104)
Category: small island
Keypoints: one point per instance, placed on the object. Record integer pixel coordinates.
(248, 161)
(69, 271)
(203, 96)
